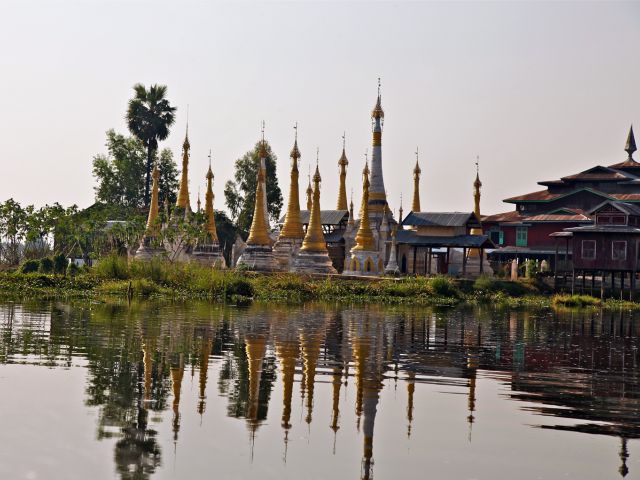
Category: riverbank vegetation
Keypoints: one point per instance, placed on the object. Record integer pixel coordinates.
(115, 276)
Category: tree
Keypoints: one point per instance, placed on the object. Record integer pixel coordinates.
(168, 182)
(149, 117)
(120, 173)
(240, 193)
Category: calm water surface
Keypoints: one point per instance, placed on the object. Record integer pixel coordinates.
(163, 391)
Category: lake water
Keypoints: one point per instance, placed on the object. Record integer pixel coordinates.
(174, 391)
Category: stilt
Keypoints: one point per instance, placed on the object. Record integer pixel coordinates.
(593, 282)
(464, 262)
(584, 274)
(430, 254)
(601, 285)
(622, 275)
(573, 282)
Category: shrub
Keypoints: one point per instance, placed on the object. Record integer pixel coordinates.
(484, 283)
(59, 264)
(72, 269)
(30, 266)
(112, 266)
(576, 301)
(46, 265)
(443, 286)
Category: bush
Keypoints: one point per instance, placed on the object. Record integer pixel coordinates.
(112, 267)
(72, 269)
(46, 265)
(59, 264)
(443, 286)
(484, 283)
(30, 266)
(576, 301)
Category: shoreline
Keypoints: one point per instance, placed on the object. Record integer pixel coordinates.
(240, 288)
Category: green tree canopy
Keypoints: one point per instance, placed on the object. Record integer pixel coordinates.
(120, 174)
(240, 193)
(149, 116)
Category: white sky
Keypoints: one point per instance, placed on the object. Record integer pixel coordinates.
(539, 90)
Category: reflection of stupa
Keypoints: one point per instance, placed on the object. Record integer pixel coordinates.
(256, 348)
(287, 350)
(207, 344)
(177, 373)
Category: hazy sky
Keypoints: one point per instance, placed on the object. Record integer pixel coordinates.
(539, 90)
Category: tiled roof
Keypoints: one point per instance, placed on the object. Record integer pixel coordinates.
(441, 219)
(411, 237)
(327, 217)
(512, 216)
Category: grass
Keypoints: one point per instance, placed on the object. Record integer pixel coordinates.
(114, 276)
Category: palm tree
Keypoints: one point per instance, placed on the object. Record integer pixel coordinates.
(149, 117)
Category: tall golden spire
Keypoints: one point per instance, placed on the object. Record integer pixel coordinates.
(342, 191)
(314, 238)
(400, 211)
(152, 226)
(477, 184)
(364, 236)
(259, 233)
(210, 225)
(292, 227)
(352, 220)
(198, 202)
(309, 193)
(183, 193)
(415, 205)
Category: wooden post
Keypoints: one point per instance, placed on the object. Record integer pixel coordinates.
(601, 285)
(429, 260)
(415, 254)
(464, 262)
(593, 282)
(573, 281)
(481, 261)
(555, 268)
(621, 284)
(447, 260)
(583, 282)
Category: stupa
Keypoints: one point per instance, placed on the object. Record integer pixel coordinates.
(258, 254)
(292, 234)
(207, 250)
(151, 243)
(313, 256)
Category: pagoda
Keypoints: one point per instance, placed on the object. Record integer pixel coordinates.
(365, 258)
(207, 250)
(292, 234)
(258, 254)
(313, 256)
(151, 244)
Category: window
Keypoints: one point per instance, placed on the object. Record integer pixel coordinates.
(588, 249)
(497, 237)
(521, 236)
(619, 250)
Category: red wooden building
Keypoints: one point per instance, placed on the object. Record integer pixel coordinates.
(564, 203)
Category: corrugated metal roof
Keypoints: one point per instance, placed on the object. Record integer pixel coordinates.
(604, 229)
(410, 237)
(628, 208)
(441, 219)
(327, 217)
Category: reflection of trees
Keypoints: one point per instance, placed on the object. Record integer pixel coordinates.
(580, 367)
